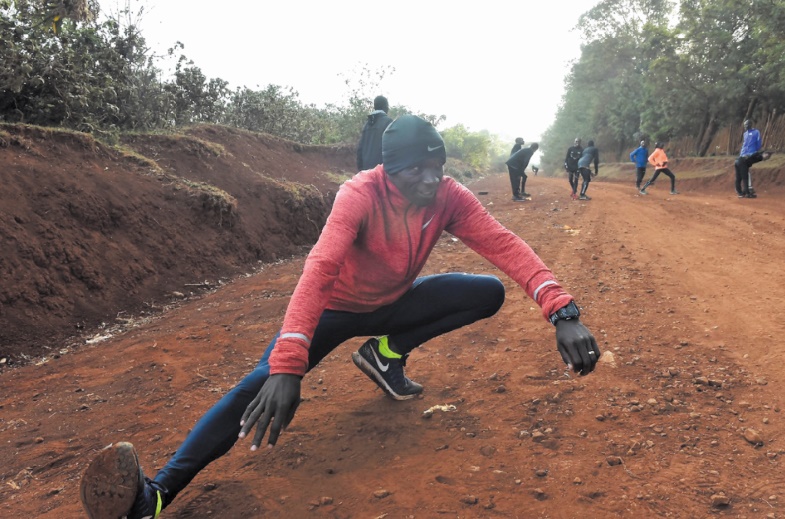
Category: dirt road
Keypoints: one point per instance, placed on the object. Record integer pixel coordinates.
(683, 293)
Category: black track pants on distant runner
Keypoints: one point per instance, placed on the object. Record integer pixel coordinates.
(586, 175)
(743, 177)
(664, 171)
(573, 177)
(639, 174)
(517, 181)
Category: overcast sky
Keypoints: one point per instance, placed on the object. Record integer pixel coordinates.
(488, 64)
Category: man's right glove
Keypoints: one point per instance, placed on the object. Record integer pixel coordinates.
(577, 346)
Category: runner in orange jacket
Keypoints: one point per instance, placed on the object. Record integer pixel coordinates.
(659, 160)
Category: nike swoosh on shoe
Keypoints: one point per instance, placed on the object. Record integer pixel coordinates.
(383, 367)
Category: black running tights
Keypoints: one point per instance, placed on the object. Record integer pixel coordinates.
(433, 306)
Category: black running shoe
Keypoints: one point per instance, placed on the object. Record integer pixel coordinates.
(114, 486)
(584, 197)
(385, 372)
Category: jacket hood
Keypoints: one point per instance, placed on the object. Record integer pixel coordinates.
(375, 115)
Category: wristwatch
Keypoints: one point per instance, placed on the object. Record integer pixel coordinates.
(566, 313)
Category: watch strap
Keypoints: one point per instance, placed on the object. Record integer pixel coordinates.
(565, 313)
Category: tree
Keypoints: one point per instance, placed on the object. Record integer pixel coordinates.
(606, 90)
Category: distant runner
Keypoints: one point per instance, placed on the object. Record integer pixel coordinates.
(517, 146)
(750, 154)
(640, 156)
(369, 149)
(590, 155)
(516, 166)
(574, 153)
(659, 160)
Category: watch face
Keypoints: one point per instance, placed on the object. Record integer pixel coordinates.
(568, 312)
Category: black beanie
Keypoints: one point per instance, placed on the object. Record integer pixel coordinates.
(408, 141)
(380, 103)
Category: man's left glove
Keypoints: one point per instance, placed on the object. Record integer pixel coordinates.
(276, 402)
(577, 346)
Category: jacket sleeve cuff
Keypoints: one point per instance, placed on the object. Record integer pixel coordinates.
(551, 297)
(289, 357)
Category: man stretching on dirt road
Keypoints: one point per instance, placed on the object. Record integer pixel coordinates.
(516, 166)
(640, 156)
(659, 160)
(360, 279)
(589, 156)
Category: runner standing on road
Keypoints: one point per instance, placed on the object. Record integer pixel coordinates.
(574, 153)
(517, 146)
(590, 155)
(360, 279)
(659, 160)
(749, 155)
(640, 156)
(369, 149)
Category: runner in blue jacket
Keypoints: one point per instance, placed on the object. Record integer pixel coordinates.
(749, 155)
(640, 156)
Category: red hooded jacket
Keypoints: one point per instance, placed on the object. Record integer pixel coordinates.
(374, 245)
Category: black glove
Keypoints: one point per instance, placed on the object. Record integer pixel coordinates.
(276, 402)
(577, 346)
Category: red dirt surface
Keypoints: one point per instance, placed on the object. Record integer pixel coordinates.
(93, 236)
(682, 415)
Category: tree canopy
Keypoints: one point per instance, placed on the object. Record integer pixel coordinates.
(65, 67)
(655, 69)
(648, 69)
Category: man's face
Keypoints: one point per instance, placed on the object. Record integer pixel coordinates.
(577, 142)
(747, 124)
(420, 182)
